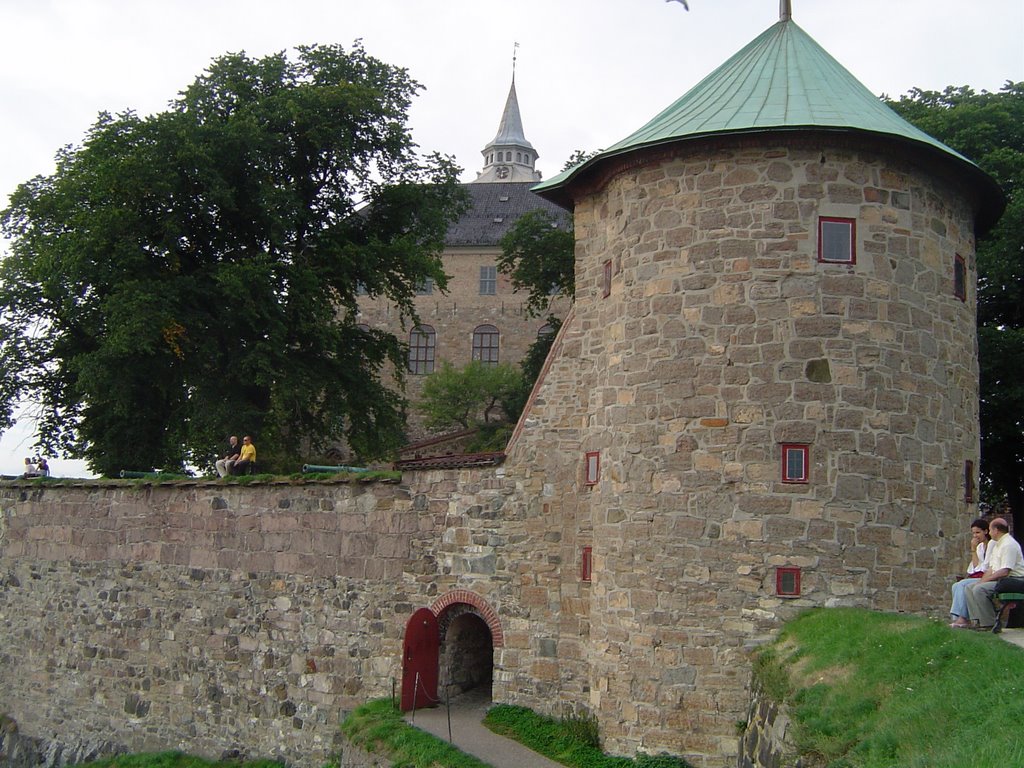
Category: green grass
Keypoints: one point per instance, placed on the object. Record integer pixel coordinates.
(877, 690)
(379, 728)
(571, 741)
(176, 760)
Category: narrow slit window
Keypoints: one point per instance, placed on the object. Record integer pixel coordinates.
(787, 582)
(586, 563)
(969, 481)
(960, 278)
(607, 288)
(593, 467)
(796, 463)
(836, 240)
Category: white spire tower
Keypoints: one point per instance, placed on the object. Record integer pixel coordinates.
(509, 156)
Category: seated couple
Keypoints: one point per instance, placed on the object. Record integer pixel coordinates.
(238, 459)
(991, 561)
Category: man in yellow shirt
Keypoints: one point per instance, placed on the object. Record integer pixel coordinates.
(247, 457)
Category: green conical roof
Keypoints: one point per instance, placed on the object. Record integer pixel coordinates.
(781, 81)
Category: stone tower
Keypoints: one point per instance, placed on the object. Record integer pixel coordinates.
(766, 397)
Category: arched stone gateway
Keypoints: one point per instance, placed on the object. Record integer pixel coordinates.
(451, 643)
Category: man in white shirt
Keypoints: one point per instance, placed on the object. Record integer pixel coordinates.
(1005, 560)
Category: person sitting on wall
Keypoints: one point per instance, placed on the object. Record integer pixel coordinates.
(981, 544)
(1005, 559)
(247, 457)
(225, 464)
(30, 469)
(42, 468)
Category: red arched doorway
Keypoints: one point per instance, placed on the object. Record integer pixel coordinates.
(453, 642)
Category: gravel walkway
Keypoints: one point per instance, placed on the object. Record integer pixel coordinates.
(470, 735)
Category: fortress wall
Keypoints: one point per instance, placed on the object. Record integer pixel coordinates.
(723, 338)
(210, 617)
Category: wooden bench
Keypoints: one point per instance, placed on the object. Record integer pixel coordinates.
(1008, 595)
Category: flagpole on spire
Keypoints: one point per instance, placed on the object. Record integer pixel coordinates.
(515, 48)
(785, 10)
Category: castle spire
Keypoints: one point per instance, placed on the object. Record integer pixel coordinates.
(509, 156)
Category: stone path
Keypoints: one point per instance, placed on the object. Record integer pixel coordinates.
(470, 735)
(1015, 636)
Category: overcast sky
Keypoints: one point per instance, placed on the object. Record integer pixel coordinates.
(588, 72)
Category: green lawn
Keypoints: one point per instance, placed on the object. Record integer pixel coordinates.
(881, 690)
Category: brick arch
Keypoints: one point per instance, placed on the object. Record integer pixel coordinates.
(483, 609)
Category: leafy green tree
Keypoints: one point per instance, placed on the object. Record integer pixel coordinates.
(195, 273)
(538, 255)
(468, 397)
(988, 128)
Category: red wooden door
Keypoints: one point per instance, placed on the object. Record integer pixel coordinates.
(419, 661)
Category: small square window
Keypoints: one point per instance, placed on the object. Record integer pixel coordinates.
(593, 468)
(796, 463)
(586, 563)
(607, 279)
(969, 481)
(836, 240)
(787, 582)
(425, 287)
(960, 278)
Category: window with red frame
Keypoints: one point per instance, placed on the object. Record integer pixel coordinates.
(787, 582)
(960, 278)
(607, 279)
(796, 462)
(586, 563)
(837, 240)
(593, 468)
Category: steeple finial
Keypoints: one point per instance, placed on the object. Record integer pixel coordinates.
(785, 10)
(515, 49)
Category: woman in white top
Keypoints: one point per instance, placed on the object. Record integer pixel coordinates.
(980, 547)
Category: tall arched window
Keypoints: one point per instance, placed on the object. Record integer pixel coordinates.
(485, 344)
(422, 345)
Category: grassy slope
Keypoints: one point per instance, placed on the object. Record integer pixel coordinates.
(877, 690)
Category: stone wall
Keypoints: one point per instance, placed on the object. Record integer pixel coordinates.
(767, 741)
(215, 618)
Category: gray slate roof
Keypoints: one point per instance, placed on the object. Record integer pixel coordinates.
(493, 210)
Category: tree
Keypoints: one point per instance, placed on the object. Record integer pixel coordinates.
(194, 273)
(478, 396)
(538, 256)
(988, 128)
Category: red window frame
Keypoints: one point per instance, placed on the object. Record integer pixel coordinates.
(823, 221)
(592, 468)
(787, 581)
(586, 563)
(804, 451)
(960, 278)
